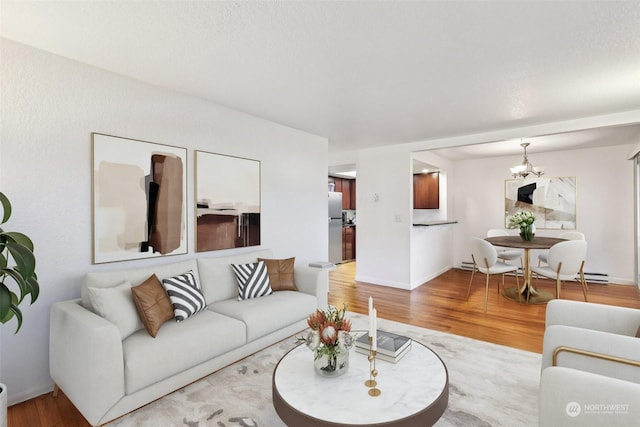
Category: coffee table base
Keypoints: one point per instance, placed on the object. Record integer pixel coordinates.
(428, 417)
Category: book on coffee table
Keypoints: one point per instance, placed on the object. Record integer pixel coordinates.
(382, 356)
(389, 344)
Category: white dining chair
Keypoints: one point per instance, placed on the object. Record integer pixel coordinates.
(568, 235)
(505, 254)
(485, 260)
(565, 262)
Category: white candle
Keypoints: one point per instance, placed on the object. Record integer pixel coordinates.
(374, 344)
(370, 316)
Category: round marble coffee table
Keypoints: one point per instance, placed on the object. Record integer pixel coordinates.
(415, 391)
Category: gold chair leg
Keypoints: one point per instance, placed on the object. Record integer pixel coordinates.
(56, 390)
(473, 271)
(558, 281)
(584, 285)
(486, 294)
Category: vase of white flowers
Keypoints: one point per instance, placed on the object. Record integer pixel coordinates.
(330, 341)
(524, 220)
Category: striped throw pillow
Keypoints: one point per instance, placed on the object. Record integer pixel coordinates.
(253, 280)
(185, 295)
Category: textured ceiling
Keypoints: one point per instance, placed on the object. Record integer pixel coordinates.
(362, 73)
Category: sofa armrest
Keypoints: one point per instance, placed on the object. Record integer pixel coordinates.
(85, 358)
(597, 352)
(599, 317)
(568, 397)
(314, 281)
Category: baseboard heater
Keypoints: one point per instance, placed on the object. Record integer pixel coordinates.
(595, 278)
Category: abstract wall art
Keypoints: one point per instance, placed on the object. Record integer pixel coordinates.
(227, 207)
(552, 200)
(139, 192)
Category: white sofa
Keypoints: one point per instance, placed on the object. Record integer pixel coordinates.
(595, 377)
(106, 377)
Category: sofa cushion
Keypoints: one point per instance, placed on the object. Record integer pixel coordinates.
(178, 347)
(116, 305)
(185, 295)
(281, 277)
(253, 280)
(217, 278)
(153, 304)
(102, 279)
(267, 314)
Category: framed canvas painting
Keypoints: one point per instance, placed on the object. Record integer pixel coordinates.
(552, 201)
(139, 192)
(227, 202)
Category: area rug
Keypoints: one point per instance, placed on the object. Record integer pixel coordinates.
(489, 385)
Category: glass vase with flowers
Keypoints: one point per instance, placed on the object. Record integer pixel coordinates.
(330, 340)
(524, 220)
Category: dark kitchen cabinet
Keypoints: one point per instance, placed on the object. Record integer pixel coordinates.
(426, 191)
(348, 189)
(346, 194)
(352, 196)
(338, 184)
(348, 243)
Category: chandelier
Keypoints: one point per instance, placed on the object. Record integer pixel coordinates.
(525, 168)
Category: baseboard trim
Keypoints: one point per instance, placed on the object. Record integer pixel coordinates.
(383, 282)
(29, 394)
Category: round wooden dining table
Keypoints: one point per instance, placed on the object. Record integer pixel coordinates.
(526, 293)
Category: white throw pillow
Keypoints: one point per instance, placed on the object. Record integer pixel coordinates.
(116, 305)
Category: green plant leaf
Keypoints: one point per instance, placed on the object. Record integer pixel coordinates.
(5, 302)
(25, 261)
(35, 288)
(19, 238)
(17, 277)
(15, 311)
(6, 208)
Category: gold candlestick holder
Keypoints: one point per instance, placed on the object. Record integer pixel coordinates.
(373, 372)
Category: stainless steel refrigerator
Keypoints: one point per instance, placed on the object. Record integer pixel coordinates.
(335, 227)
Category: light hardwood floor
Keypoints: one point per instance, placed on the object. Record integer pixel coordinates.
(439, 304)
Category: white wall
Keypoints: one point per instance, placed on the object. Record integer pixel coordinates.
(431, 252)
(384, 217)
(604, 203)
(50, 106)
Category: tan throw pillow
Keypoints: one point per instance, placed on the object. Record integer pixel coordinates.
(153, 304)
(280, 273)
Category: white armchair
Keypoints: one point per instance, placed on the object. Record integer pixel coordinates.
(590, 365)
(572, 398)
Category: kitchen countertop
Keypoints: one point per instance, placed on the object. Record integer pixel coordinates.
(431, 223)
